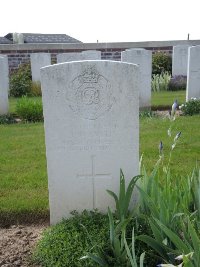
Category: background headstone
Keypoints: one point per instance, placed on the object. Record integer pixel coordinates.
(4, 85)
(85, 55)
(91, 131)
(193, 76)
(180, 60)
(67, 57)
(91, 55)
(39, 60)
(143, 58)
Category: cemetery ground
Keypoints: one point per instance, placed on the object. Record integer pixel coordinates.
(23, 176)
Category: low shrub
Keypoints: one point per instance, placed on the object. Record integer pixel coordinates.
(36, 89)
(161, 62)
(160, 82)
(29, 109)
(65, 243)
(177, 83)
(191, 107)
(20, 81)
(7, 119)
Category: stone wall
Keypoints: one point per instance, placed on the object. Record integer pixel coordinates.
(20, 53)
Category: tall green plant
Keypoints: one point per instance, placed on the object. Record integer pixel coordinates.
(160, 82)
(123, 201)
(161, 62)
(118, 252)
(20, 81)
(131, 251)
(30, 109)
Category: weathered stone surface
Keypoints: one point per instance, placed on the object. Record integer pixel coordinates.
(193, 75)
(39, 60)
(91, 55)
(4, 85)
(180, 60)
(143, 58)
(91, 131)
(67, 57)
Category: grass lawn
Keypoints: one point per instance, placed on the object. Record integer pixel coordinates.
(23, 177)
(187, 151)
(166, 98)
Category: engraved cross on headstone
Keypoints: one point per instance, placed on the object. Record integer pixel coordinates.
(94, 176)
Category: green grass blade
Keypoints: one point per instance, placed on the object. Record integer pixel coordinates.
(142, 259)
(129, 193)
(129, 252)
(116, 202)
(149, 203)
(111, 225)
(96, 259)
(156, 231)
(122, 191)
(157, 246)
(195, 241)
(173, 237)
(133, 247)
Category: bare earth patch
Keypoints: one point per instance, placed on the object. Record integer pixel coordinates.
(17, 243)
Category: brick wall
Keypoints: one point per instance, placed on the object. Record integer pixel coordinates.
(20, 53)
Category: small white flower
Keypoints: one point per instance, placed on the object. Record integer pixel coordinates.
(178, 258)
(173, 146)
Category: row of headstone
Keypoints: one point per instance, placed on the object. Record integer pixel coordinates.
(39, 60)
(141, 57)
(4, 84)
(186, 62)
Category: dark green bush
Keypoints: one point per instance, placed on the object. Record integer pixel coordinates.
(191, 107)
(36, 89)
(30, 109)
(65, 243)
(161, 62)
(20, 81)
(178, 82)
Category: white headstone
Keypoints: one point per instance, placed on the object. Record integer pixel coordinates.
(67, 57)
(20, 38)
(39, 60)
(91, 55)
(143, 58)
(91, 131)
(4, 85)
(193, 75)
(180, 60)
(85, 55)
(15, 37)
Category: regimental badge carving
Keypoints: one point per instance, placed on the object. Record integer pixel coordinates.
(90, 94)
